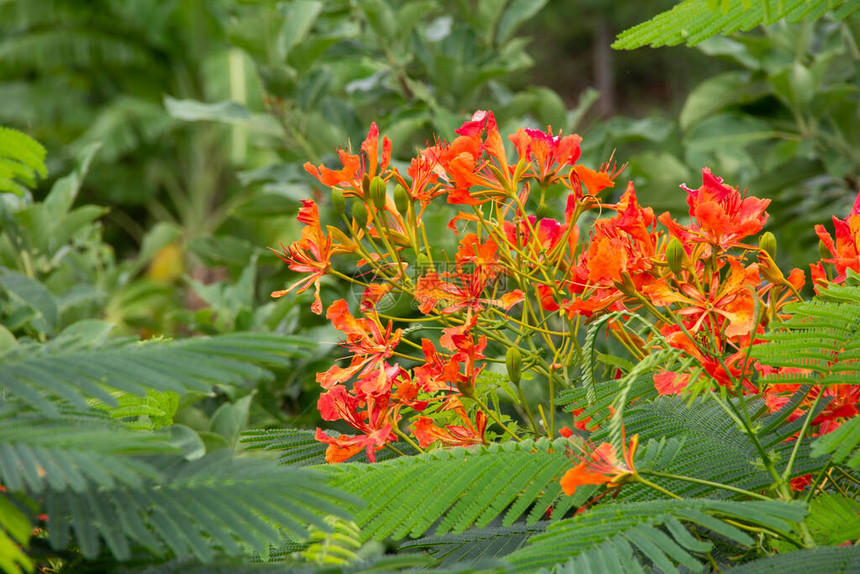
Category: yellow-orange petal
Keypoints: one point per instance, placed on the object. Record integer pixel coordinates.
(280, 293)
(579, 476)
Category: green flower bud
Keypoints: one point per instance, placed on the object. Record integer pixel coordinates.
(767, 243)
(401, 199)
(338, 202)
(514, 364)
(365, 185)
(823, 252)
(378, 192)
(359, 214)
(541, 210)
(675, 255)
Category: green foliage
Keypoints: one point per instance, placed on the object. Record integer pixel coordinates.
(693, 21)
(35, 372)
(21, 158)
(822, 336)
(103, 482)
(463, 488)
(828, 559)
(612, 538)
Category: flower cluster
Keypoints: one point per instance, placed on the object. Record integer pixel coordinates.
(519, 284)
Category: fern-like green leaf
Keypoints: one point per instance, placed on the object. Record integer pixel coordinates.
(708, 435)
(693, 21)
(476, 544)
(22, 159)
(464, 488)
(822, 337)
(197, 508)
(615, 537)
(74, 453)
(32, 372)
(298, 447)
(833, 560)
(842, 445)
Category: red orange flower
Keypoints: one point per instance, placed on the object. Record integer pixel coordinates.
(310, 254)
(845, 250)
(602, 466)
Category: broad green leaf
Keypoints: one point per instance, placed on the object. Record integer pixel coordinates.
(230, 419)
(62, 196)
(727, 131)
(515, 16)
(192, 111)
(298, 17)
(711, 96)
(34, 295)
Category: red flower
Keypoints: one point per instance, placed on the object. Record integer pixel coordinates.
(369, 344)
(467, 434)
(310, 254)
(355, 168)
(602, 466)
(549, 152)
(723, 217)
(846, 249)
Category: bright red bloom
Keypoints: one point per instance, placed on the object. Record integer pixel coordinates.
(549, 152)
(602, 466)
(310, 254)
(728, 304)
(369, 344)
(355, 168)
(467, 434)
(846, 249)
(375, 423)
(723, 217)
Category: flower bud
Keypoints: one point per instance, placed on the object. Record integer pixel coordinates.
(377, 192)
(823, 252)
(338, 202)
(767, 243)
(365, 185)
(401, 199)
(514, 364)
(675, 255)
(541, 210)
(359, 214)
(423, 264)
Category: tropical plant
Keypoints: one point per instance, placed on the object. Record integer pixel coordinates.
(688, 307)
(694, 21)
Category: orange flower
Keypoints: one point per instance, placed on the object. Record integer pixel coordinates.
(846, 249)
(728, 304)
(723, 217)
(549, 152)
(310, 254)
(355, 168)
(467, 434)
(370, 345)
(602, 466)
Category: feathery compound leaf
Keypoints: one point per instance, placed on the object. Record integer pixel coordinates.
(300, 448)
(21, 159)
(693, 21)
(198, 508)
(463, 487)
(31, 373)
(476, 544)
(833, 560)
(841, 444)
(822, 336)
(73, 454)
(708, 435)
(603, 537)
